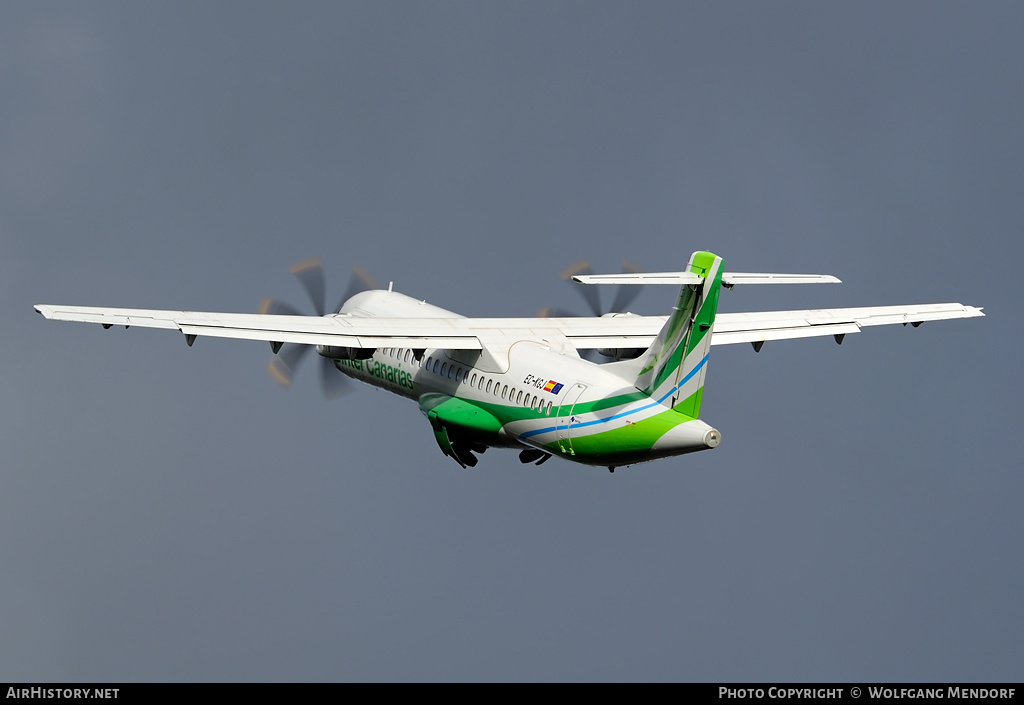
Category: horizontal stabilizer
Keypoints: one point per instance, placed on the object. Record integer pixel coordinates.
(729, 279)
(676, 278)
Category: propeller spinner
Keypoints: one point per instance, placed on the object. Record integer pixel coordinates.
(289, 356)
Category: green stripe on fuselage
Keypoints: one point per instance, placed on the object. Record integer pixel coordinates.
(508, 414)
(628, 442)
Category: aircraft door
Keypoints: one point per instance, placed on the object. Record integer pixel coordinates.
(565, 418)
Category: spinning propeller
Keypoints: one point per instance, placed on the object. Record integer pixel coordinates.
(289, 356)
(624, 296)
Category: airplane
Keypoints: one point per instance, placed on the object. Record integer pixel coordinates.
(521, 382)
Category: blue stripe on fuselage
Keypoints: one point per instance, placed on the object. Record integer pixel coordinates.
(623, 414)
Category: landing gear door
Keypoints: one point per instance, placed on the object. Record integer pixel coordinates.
(566, 419)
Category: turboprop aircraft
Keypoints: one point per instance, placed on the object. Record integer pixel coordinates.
(521, 382)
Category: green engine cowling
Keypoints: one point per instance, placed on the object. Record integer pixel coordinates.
(460, 427)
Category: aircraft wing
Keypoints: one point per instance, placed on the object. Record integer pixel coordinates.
(374, 332)
(476, 333)
(780, 325)
(349, 331)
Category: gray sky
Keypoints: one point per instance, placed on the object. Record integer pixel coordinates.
(171, 514)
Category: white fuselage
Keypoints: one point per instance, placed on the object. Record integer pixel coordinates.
(533, 394)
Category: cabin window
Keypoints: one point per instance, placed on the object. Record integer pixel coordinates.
(444, 368)
(548, 411)
(519, 398)
(451, 371)
(472, 381)
(533, 403)
(489, 383)
(458, 375)
(406, 356)
(436, 364)
(504, 392)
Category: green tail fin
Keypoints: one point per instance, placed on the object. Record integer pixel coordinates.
(672, 369)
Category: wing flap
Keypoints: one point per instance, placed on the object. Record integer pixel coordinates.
(466, 342)
(790, 333)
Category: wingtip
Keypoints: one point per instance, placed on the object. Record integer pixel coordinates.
(581, 267)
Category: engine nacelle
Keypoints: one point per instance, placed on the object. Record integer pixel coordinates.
(621, 353)
(338, 352)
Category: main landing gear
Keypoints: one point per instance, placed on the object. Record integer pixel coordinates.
(533, 455)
